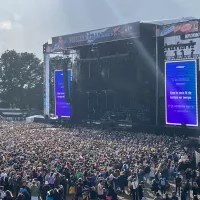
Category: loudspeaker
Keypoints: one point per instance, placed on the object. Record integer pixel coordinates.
(65, 76)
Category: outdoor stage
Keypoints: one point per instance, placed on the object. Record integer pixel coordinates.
(123, 73)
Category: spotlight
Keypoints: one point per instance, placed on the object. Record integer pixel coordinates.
(94, 48)
(45, 47)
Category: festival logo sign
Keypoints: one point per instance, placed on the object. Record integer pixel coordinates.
(131, 30)
(181, 49)
(187, 27)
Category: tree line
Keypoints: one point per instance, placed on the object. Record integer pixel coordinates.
(21, 80)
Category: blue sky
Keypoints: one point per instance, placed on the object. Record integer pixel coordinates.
(26, 24)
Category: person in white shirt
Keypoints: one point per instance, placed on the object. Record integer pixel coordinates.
(134, 187)
(152, 174)
(2, 193)
(100, 190)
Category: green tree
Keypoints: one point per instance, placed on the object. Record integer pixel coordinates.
(21, 80)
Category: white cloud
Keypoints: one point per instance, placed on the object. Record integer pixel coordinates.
(5, 25)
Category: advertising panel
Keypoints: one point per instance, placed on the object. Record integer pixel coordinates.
(121, 32)
(181, 28)
(181, 93)
(62, 107)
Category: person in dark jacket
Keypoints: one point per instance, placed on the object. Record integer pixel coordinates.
(25, 191)
(64, 182)
(184, 194)
(178, 182)
(122, 182)
(56, 195)
(45, 190)
(187, 188)
(174, 197)
(140, 191)
(155, 187)
(195, 198)
(93, 193)
(166, 197)
(20, 197)
(8, 196)
(195, 189)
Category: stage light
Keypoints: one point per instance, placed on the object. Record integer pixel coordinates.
(45, 47)
(94, 48)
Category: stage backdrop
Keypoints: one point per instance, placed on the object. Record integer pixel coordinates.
(62, 108)
(181, 93)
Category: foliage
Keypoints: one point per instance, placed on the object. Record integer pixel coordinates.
(21, 79)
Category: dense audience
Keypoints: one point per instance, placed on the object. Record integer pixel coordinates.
(38, 161)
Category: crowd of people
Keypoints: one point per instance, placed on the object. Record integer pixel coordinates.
(39, 161)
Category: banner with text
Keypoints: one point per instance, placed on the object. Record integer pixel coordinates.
(121, 32)
(62, 108)
(181, 93)
(176, 48)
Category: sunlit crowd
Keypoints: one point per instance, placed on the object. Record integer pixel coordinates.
(41, 162)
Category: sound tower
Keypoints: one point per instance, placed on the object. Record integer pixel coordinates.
(65, 77)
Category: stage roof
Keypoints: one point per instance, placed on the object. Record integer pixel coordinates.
(170, 21)
(122, 32)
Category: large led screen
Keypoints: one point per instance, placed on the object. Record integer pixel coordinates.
(62, 108)
(181, 93)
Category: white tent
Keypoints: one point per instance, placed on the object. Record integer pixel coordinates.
(35, 118)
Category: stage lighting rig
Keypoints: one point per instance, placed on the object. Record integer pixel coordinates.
(94, 48)
(45, 47)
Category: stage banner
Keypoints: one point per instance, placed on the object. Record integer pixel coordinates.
(181, 93)
(175, 48)
(121, 32)
(62, 108)
(178, 29)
